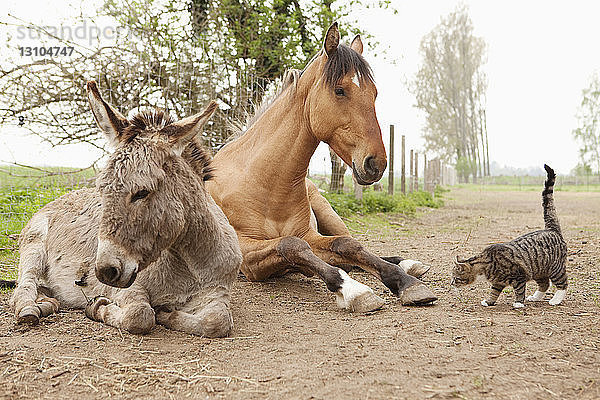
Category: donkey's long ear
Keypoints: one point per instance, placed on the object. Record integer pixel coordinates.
(332, 39)
(182, 131)
(108, 119)
(357, 44)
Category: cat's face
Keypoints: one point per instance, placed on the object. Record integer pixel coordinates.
(463, 274)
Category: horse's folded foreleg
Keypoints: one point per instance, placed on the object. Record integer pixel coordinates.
(330, 224)
(265, 258)
(347, 250)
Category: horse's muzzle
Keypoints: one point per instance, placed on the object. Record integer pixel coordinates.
(369, 173)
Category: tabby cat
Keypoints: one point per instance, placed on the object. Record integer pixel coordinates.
(538, 256)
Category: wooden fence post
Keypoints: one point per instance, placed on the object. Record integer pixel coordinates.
(358, 189)
(391, 163)
(425, 185)
(411, 184)
(416, 171)
(403, 177)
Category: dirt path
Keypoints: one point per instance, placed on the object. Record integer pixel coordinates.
(291, 340)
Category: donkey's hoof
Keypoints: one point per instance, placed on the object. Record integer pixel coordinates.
(366, 302)
(29, 315)
(417, 295)
(47, 306)
(414, 268)
(91, 310)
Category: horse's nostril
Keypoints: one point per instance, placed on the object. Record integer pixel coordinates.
(371, 166)
(109, 274)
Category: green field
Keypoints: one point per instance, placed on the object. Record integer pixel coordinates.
(23, 191)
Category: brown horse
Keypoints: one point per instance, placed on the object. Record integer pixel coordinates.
(260, 179)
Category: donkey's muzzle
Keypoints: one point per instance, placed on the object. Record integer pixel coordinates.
(113, 267)
(114, 276)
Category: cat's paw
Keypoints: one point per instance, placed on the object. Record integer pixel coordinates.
(485, 303)
(537, 296)
(557, 298)
(516, 304)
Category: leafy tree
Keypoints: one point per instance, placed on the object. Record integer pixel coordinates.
(588, 130)
(450, 87)
(176, 54)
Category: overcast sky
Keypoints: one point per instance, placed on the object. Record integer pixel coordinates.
(541, 54)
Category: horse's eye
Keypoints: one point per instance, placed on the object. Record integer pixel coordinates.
(339, 91)
(139, 195)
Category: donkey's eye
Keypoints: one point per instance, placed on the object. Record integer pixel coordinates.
(139, 195)
(339, 91)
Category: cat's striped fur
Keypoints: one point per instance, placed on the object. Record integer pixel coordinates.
(538, 256)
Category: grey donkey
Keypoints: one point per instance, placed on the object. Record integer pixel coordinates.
(148, 245)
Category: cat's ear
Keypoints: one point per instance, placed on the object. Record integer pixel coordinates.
(459, 265)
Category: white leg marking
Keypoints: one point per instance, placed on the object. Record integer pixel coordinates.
(484, 303)
(406, 264)
(537, 296)
(558, 297)
(350, 290)
(516, 304)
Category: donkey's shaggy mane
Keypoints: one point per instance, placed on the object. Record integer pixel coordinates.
(155, 120)
(199, 159)
(147, 120)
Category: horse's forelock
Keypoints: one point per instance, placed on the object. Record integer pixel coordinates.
(343, 61)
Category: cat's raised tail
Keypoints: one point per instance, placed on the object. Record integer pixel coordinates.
(550, 218)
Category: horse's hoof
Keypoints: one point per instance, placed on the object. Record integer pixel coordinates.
(415, 268)
(29, 315)
(91, 310)
(417, 295)
(366, 302)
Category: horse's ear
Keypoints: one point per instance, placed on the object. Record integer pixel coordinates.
(109, 120)
(332, 39)
(182, 131)
(357, 44)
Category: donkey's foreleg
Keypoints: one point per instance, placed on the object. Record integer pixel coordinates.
(212, 321)
(264, 258)
(347, 250)
(134, 315)
(27, 304)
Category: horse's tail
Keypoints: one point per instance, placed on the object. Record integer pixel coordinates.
(7, 284)
(550, 218)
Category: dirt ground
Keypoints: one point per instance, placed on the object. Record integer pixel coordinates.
(291, 340)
